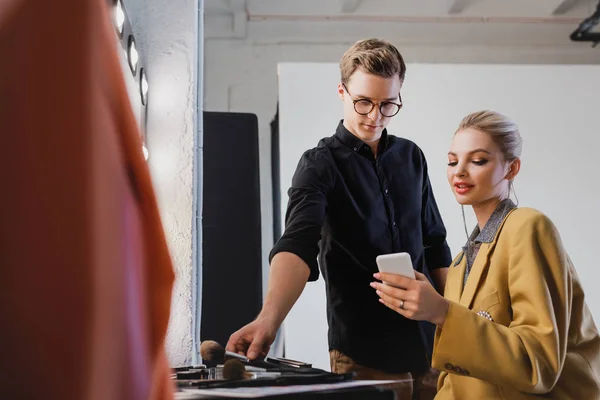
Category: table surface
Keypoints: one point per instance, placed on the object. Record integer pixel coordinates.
(268, 391)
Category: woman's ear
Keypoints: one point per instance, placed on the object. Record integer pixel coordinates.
(514, 168)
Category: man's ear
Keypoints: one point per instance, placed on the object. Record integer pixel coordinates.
(341, 91)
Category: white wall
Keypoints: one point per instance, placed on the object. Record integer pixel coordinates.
(167, 39)
(556, 108)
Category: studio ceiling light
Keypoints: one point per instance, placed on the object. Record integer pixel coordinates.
(119, 17)
(587, 31)
(132, 55)
(143, 86)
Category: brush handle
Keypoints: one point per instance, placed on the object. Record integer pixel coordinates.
(236, 355)
(287, 361)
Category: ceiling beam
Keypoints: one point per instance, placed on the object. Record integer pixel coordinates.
(350, 6)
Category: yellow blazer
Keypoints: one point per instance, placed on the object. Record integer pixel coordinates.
(541, 341)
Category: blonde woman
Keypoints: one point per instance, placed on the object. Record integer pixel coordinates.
(513, 323)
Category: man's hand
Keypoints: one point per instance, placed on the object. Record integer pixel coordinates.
(416, 299)
(287, 278)
(253, 340)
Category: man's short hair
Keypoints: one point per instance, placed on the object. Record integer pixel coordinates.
(375, 56)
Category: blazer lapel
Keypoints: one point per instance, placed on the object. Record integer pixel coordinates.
(455, 277)
(479, 266)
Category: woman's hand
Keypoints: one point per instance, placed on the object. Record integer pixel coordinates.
(412, 298)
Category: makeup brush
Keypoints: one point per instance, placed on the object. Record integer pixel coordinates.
(212, 351)
(235, 370)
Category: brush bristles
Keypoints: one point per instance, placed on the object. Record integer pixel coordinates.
(234, 370)
(212, 351)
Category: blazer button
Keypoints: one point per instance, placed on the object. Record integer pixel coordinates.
(458, 370)
(449, 367)
(465, 372)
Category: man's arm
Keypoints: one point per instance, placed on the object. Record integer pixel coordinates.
(439, 278)
(287, 278)
(293, 259)
(437, 252)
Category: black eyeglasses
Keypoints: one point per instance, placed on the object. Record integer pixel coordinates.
(365, 106)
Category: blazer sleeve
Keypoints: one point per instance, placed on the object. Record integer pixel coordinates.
(529, 353)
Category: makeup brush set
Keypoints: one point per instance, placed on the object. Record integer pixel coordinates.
(226, 369)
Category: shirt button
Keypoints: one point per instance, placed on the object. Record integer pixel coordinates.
(386, 191)
(394, 223)
(356, 148)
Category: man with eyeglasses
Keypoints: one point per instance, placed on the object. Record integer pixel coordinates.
(360, 193)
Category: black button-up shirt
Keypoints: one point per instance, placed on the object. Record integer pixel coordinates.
(348, 207)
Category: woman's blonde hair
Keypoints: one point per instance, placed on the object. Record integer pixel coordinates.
(503, 130)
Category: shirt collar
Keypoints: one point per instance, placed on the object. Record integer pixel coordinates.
(491, 226)
(354, 143)
(490, 229)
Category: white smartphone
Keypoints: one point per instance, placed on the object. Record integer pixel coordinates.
(396, 263)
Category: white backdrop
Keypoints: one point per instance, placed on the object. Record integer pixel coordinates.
(556, 107)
